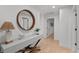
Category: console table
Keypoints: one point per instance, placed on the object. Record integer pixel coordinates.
(19, 44)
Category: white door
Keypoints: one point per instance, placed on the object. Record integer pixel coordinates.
(66, 29)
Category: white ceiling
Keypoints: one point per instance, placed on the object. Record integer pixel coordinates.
(48, 8)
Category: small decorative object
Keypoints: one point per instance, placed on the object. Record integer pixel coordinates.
(37, 30)
(7, 26)
(52, 24)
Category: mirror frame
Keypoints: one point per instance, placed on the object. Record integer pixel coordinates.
(33, 18)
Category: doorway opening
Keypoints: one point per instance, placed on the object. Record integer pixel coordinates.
(50, 27)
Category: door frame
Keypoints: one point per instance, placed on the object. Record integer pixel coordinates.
(47, 26)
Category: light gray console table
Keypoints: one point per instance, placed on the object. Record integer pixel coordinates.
(18, 44)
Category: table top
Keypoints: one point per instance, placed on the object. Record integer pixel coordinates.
(18, 41)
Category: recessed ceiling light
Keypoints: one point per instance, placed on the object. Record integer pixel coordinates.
(53, 6)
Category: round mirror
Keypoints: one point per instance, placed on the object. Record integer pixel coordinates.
(25, 20)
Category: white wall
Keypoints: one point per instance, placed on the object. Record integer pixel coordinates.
(56, 27)
(66, 28)
(9, 13)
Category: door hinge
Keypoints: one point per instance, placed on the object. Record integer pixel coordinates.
(75, 29)
(75, 14)
(75, 44)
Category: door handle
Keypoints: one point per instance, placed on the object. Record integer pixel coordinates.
(75, 29)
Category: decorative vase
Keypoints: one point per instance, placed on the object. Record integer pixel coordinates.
(8, 36)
